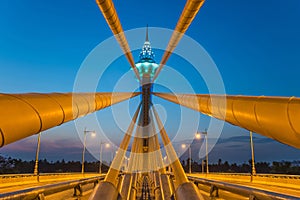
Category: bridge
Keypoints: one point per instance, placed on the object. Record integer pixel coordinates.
(23, 115)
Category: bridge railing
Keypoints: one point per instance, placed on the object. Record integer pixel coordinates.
(282, 176)
(3, 176)
(252, 193)
(292, 181)
(41, 191)
(14, 179)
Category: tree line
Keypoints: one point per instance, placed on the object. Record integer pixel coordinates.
(283, 167)
(15, 166)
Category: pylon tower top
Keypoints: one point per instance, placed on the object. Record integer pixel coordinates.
(146, 64)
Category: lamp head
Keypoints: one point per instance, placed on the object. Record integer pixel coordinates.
(198, 136)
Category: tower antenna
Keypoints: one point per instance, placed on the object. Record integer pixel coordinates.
(147, 38)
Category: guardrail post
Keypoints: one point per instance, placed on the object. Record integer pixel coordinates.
(77, 191)
(105, 190)
(96, 183)
(40, 196)
(214, 191)
(252, 197)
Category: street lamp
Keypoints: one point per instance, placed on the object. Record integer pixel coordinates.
(183, 146)
(84, 147)
(253, 171)
(198, 136)
(107, 145)
(36, 166)
(206, 151)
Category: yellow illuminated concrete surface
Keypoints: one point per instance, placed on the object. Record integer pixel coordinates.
(288, 185)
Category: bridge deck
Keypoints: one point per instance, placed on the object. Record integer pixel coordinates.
(16, 183)
(146, 190)
(279, 184)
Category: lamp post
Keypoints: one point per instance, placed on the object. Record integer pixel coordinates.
(84, 147)
(183, 146)
(107, 145)
(100, 159)
(206, 151)
(190, 160)
(253, 171)
(198, 137)
(36, 166)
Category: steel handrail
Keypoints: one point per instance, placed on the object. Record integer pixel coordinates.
(41, 174)
(241, 190)
(283, 176)
(45, 190)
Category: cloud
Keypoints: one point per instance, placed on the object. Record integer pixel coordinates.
(51, 149)
(237, 150)
(233, 149)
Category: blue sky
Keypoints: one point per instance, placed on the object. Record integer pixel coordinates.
(255, 45)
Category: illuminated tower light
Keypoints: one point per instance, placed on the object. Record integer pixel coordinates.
(146, 64)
